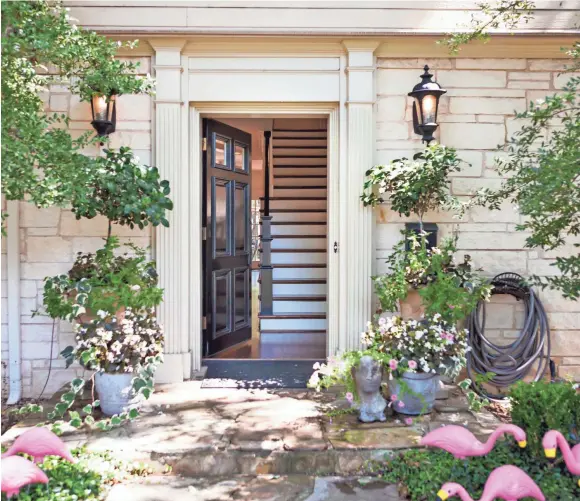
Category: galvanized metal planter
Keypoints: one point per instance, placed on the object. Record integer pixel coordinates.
(115, 392)
(425, 385)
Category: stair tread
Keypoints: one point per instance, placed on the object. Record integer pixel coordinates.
(298, 156)
(294, 198)
(299, 138)
(299, 167)
(299, 223)
(292, 331)
(292, 187)
(295, 210)
(298, 147)
(300, 251)
(299, 176)
(299, 130)
(300, 265)
(297, 281)
(299, 297)
(299, 236)
(294, 315)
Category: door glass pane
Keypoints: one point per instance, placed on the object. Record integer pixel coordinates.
(242, 291)
(221, 205)
(240, 159)
(222, 302)
(241, 217)
(220, 151)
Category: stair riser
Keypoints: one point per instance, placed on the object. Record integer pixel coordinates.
(299, 273)
(307, 141)
(299, 181)
(298, 216)
(299, 306)
(312, 192)
(292, 323)
(298, 204)
(293, 171)
(297, 151)
(304, 289)
(298, 133)
(298, 258)
(299, 243)
(290, 229)
(299, 161)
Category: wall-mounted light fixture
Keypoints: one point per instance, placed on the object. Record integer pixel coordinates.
(104, 111)
(426, 96)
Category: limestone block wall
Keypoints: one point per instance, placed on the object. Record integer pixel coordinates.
(51, 238)
(476, 115)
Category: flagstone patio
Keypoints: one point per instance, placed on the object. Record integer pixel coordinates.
(284, 444)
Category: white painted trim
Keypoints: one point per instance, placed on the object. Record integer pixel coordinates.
(13, 279)
(195, 252)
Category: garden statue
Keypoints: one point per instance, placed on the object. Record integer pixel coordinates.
(368, 376)
(39, 442)
(460, 442)
(18, 472)
(506, 482)
(554, 439)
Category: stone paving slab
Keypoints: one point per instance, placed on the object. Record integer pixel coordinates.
(256, 488)
(215, 432)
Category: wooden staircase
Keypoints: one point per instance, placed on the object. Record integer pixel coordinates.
(297, 326)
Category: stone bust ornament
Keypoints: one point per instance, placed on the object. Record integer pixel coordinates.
(368, 376)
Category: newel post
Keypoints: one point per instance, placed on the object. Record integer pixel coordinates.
(266, 270)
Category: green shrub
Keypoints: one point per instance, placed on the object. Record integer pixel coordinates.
(421, 473)
(89, 479)
(542, 406)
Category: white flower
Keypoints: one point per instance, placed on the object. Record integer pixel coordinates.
(102, 314)
(135, 287)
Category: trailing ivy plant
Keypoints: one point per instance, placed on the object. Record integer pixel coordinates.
(42, 46)
(414, 186)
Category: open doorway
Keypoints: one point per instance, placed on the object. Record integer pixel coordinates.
(246, 174)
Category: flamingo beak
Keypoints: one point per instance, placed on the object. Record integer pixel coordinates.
(442, 495)
(550, 453)
(523, 443)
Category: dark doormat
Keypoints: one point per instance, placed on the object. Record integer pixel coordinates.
(257, 373)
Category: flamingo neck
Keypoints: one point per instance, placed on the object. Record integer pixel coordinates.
(464, 495)
(571, 463)
(488, 445)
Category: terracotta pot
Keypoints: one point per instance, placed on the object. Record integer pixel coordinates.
(412, 307)
(90, 315)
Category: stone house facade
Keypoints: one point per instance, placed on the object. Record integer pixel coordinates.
(354, 65)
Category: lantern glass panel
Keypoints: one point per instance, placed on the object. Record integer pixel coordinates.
(418, 110)
(429, 109)
(100, 108)
(111, 107)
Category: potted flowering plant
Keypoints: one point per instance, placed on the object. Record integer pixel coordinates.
(123, 354)
(419, 352)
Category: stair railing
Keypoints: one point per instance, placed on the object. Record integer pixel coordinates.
(266, 270)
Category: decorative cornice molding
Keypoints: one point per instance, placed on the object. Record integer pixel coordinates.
(361, 44)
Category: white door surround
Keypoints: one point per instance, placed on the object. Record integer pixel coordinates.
(337, 86)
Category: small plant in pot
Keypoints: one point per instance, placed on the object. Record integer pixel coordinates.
(123, 354)
(432, 277)
(361, 372)
(419, 352)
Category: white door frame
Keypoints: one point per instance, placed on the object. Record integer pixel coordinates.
(196, 110)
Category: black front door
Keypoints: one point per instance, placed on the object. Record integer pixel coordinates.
(227, 287)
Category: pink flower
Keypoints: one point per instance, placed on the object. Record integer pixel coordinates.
(451, 306)
(412, 364)
(349, 396)
(393, 398)
(401, 404)
(409, 421)
(393, 364)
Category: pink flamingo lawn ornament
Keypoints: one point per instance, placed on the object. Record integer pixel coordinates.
(18, 472)
(554, 439)
(460, 442)
(39, 442)
(506, 482)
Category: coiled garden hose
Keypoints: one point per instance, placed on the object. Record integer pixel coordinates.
(509, 362)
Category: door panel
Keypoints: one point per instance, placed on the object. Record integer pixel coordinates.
(227, 287)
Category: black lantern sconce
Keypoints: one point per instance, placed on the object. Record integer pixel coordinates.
(426, 95)
(104, 112)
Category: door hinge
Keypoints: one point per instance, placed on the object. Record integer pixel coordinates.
(204, 233)
(204, 144)
(335, 247)
(204, 322)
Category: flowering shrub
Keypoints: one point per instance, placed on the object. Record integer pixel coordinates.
(430, 345)
(113, 346)
(103, 282)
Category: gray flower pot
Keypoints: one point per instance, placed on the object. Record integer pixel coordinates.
(115, 392)
(422, 384)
